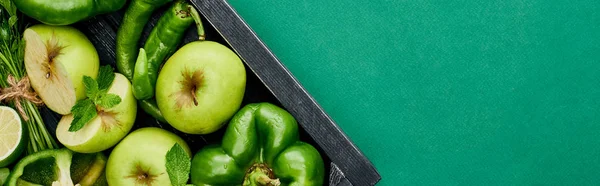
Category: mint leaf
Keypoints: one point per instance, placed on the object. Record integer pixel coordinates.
(109, 101)
(96, 91)
(83, 111)
(178, 165)
(91, 87)
(105, 77)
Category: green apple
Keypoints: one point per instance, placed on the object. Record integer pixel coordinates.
(200, 87)
(140, 159)
(56, 59)
(108, 127)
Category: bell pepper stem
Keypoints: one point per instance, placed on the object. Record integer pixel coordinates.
(259, 176)
(199, 26)
(265, 180)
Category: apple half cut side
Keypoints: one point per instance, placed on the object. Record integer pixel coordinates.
(56, 59)
(107, 128)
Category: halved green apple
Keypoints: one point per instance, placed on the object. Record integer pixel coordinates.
(106, 129)
(56, 59)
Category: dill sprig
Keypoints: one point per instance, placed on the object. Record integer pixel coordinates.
(12, 48)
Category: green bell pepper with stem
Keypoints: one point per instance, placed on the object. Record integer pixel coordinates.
(59, 166)
(261, 146)
(66, 12)
(130, 30)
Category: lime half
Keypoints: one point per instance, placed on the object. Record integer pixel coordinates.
(12, 140)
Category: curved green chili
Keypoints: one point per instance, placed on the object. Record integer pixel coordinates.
(162, 42)
(130, 30)
(149, 106)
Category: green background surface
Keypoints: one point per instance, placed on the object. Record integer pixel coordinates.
(451, 92)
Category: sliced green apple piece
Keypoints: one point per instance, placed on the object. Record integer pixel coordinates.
(49, 79)
(108, 127)
(56, 59)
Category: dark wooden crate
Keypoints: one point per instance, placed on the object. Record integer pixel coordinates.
(267, 81)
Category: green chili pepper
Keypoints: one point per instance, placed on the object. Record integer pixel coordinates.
(142, 87)
(130, 30)
(260, 147)
(149, 106)
(162, 42)
(66, 12)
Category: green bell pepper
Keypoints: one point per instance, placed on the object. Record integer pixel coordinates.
(66, 12)
(261, 146)
(59, 166)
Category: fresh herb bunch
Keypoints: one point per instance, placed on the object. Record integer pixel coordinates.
(12, 48)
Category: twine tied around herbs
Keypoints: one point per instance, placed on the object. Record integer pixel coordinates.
(17, 91)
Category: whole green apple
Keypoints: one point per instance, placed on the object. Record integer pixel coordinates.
(56, 59)
(140, 158)
(200, 87)
(108, 127)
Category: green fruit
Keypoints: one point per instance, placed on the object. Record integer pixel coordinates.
(106, 129)
(200, 87)
(140, 158)
(12, 136)
(56, 59)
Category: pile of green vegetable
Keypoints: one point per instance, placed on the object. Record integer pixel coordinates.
(196, 87)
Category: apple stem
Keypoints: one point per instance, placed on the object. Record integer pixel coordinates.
(199, 26)
(194, 97)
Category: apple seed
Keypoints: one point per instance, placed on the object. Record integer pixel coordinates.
(53, 50)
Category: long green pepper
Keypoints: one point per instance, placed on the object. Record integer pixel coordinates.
(163, 41)
(130, 30)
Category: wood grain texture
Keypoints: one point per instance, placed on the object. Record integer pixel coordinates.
(337, 177)
(358, 169)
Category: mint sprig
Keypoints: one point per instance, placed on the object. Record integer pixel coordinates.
(178, 165)
(97, 95)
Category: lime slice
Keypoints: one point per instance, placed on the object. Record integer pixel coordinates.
(12, 140)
